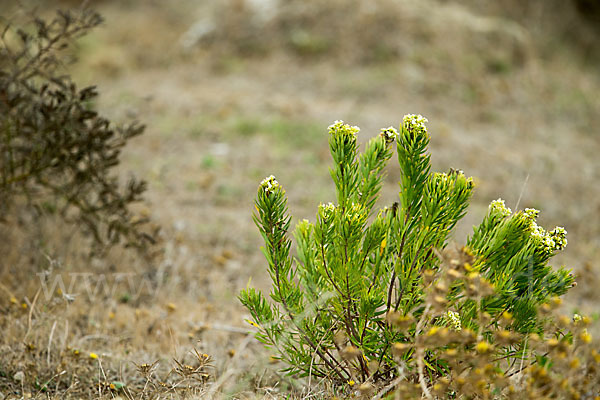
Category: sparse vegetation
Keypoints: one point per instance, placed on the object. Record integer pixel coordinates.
(231, 91)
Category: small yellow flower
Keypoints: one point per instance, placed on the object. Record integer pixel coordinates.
(483, 347)
(564, 320)
(596, 356)
(534, 337)
(454, 274)
(433, 331)
(93, 356)
(585, 337)
(556, 301)
(13, 300)
(451, 352)
(473, 275)
(545, 308)
(351, 382)
(574, 363)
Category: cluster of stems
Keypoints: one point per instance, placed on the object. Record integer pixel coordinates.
(366, 282)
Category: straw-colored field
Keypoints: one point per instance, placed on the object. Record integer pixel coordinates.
(234, 91)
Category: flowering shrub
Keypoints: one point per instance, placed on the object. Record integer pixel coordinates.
(379, 300)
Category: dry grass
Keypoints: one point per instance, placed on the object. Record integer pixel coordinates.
(218, 122)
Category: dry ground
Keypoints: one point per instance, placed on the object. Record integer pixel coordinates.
(511, 99)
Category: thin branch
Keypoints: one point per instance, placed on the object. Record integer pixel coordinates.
(300, 329)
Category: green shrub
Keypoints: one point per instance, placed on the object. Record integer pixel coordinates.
(56, 153)
(381, 298)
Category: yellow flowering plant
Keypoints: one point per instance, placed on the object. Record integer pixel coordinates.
(373, 296)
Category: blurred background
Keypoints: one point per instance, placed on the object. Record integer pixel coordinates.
(234, 90)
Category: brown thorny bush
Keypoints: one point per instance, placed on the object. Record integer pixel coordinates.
(57, 155)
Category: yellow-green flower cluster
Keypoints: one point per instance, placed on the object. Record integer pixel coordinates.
(329, 207)
(559, 236)
(499, 207)
(538, 233)
(551, 241)
(531, 214)
(389, 134)
(269, 184)
(541, 237)
(415, 123)
(340, 128)
(452, 319)
(326, 211)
